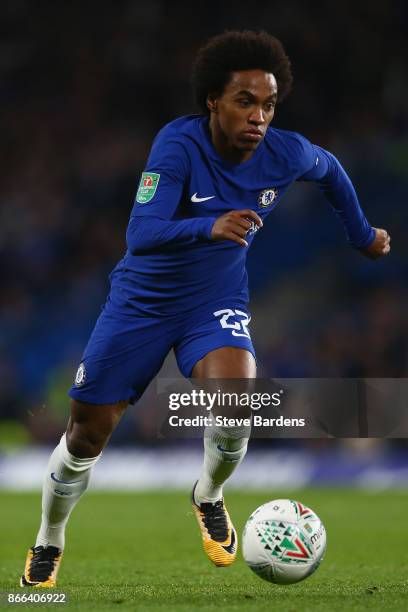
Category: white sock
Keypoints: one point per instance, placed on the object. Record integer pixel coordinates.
(224, 449)
(66, 479)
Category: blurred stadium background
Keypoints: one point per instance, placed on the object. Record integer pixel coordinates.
(84, 88)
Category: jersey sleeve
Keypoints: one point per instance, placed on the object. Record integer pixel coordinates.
(338, 189)
(162, 182)
(151, 226)
(307, 156)
(148, 234)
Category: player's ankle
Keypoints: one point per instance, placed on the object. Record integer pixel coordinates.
(207, 491)
(51, 535)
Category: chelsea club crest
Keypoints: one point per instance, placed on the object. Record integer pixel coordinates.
(80, 375)
(267, 196)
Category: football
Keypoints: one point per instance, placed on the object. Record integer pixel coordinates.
(283, 541)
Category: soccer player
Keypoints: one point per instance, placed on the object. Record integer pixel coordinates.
(208, 185)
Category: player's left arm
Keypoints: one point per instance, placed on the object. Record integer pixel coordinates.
(334, 182)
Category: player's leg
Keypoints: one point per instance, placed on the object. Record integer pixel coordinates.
(123, 354)
(216, 344)
(66, 479)
(69, 469)
(224, 447)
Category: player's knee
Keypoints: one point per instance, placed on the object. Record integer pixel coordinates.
(82, 443)
(90, 427)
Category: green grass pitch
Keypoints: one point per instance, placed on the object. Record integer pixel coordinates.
(142, 551)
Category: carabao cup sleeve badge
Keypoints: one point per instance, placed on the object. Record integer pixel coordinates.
(147, 187)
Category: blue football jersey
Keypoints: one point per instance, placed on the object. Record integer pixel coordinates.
(185, 178)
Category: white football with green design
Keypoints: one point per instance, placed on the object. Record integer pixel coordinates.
(284, 541)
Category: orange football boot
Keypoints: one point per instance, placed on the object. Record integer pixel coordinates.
(41, 567)
(219, 535)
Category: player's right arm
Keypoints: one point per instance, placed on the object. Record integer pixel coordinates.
(158, 197)
(152, 224)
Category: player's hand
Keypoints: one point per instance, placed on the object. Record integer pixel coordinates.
(380, 245)
(234, 225)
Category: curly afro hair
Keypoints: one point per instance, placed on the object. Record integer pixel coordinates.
(233, 51)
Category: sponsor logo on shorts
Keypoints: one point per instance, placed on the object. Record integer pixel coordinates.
(147, 187)
(267, 196)
(80, 375)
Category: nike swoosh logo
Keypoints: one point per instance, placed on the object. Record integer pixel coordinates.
(53, 476)
(224, 450)
(231, 547)
(195, 198)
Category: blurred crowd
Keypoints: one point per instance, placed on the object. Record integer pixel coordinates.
(83, 90)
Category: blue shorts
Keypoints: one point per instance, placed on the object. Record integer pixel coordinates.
(126, 351)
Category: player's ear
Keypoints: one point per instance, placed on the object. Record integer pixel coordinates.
(211, 103)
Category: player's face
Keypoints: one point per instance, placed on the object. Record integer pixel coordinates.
(241, 115)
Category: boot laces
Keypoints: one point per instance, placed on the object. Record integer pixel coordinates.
(43, 562)
(215, 520)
